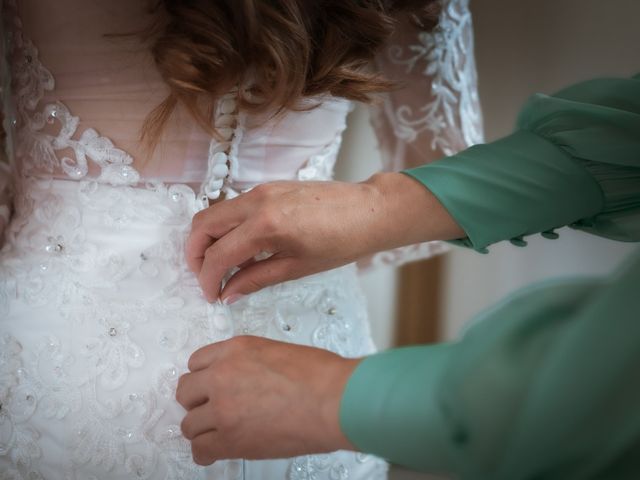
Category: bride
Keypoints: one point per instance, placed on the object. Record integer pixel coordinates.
(98, 310)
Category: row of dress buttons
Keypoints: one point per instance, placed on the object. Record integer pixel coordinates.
(225, 124)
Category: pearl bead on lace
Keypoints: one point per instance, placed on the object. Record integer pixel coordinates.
(76, 172)
(55, 245)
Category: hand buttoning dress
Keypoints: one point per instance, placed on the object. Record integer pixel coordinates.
(98, 311)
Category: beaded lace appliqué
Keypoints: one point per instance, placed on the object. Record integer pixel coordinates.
(446, 58)
(31, 81)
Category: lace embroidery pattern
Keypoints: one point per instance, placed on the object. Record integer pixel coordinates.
(317, 467)
(402, 255)
(445, 56)
(31, 80)
(320, 167)
(88, 379)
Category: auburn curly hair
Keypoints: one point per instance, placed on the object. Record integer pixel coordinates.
(279, 50)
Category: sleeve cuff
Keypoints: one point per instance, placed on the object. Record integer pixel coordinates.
(519, 185)
(390, 407)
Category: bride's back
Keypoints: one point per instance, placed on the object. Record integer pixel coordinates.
(69, 60)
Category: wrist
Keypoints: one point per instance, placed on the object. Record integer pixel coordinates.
(404, 207)
(411, 213)
(338, 377)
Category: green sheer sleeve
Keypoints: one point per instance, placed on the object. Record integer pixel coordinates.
(573, 160)
(544, 386)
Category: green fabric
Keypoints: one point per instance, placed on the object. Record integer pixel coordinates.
(398, 381)
(544, 386)
(574, 160)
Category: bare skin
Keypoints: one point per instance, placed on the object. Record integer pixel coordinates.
(309, 227)
(254, 398)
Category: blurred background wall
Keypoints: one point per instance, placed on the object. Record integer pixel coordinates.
(522, 47)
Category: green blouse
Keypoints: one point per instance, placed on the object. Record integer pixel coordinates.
(544, 385)
(573, 160)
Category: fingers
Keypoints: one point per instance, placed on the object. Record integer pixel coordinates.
(198, 421)
(205, 356)
(209, 225)
(261, 274)
(204, 448)
(192, 390)
(235, 248)
(197, 245)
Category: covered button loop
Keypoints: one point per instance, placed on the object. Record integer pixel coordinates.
(550, 234)
(518, 241)
(225, 123)
(219, 319)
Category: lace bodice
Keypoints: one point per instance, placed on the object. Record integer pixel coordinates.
(76, 94)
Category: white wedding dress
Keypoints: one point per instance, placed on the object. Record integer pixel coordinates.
(98, 311)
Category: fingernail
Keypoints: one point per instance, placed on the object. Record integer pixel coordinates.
(231, 299)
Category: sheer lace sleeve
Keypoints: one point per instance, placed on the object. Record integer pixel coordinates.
(435, 110)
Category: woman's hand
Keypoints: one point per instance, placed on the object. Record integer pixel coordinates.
(254, 398)
(309, 227)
